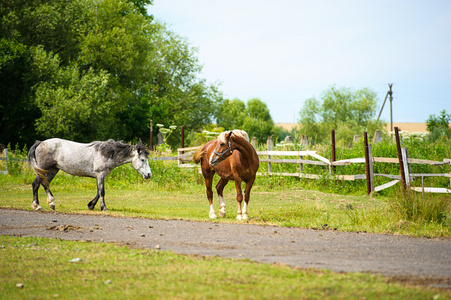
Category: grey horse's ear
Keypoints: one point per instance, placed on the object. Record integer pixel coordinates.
(139, 146)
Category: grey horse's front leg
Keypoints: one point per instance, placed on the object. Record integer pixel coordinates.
(101, 192)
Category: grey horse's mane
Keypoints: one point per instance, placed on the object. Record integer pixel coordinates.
(112, 148)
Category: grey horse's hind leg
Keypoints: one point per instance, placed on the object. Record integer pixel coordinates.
(93, 202)
(35, 185)
(100, 194)
(50, 199)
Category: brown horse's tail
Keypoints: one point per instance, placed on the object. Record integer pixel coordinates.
(32, 162)
(198, 154)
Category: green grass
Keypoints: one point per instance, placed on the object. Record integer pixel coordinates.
(109, 271)
(292, 207)
(44, 267)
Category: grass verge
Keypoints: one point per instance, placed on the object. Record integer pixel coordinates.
(107, 271)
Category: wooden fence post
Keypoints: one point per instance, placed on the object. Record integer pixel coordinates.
(269, 143)
(182, 143)
(332, 133)
(254, 142)
(377, 136)
(367, 163)
(401, 165)
(370, 160)
(301, 166)
(151, 136)
(182, 138)
(6, 161)
(406, 165)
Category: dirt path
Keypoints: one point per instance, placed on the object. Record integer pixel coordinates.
(425, 261)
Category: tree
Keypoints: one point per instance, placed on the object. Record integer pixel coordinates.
(258, 121)
(254, 118)
(348, 112)
(95, 70)
(17, 110)
(438, 126)
(72, 102)
(231, 114)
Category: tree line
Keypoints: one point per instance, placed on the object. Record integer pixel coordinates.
(86, 70)
(92, 70)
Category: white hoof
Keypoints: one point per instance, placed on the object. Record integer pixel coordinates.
(239, 217)
(244, 217)
(222, 212)
(51, 204)
(212, 215)
(36, 207)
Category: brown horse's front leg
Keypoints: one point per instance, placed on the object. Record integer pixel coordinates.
(208, 184)
(219, 189)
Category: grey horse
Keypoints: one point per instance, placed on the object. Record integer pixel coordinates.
(96, 160)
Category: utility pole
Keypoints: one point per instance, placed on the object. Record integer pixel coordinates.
(389, 93)
(391, 106)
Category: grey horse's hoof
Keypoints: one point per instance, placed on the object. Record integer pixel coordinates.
(37, 207)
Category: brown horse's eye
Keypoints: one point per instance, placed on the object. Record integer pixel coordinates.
(222, 144)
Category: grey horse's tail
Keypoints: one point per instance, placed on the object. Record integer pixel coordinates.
(32, 162)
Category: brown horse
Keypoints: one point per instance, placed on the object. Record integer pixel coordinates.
(232, 157)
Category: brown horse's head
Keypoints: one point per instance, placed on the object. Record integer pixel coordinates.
(223, 148)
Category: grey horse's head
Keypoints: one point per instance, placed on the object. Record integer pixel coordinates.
(140, 160)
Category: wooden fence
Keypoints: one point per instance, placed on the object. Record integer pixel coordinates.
(269, 156)
(403, 160)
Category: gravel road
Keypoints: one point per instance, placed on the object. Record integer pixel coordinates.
(419, 260)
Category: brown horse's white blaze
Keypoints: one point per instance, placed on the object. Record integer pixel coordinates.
(232, 157)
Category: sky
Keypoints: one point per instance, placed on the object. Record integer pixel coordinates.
(287, 51)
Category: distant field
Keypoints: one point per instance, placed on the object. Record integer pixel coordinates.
(410, 127)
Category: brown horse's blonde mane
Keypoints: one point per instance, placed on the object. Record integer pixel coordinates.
(237, 132)
(221, 137)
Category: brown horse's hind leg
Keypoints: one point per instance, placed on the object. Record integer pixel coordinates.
(239, 199)
(219, 189)
(208, 176)
(247, 195)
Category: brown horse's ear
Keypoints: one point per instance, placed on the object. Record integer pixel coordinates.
(228, 137)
